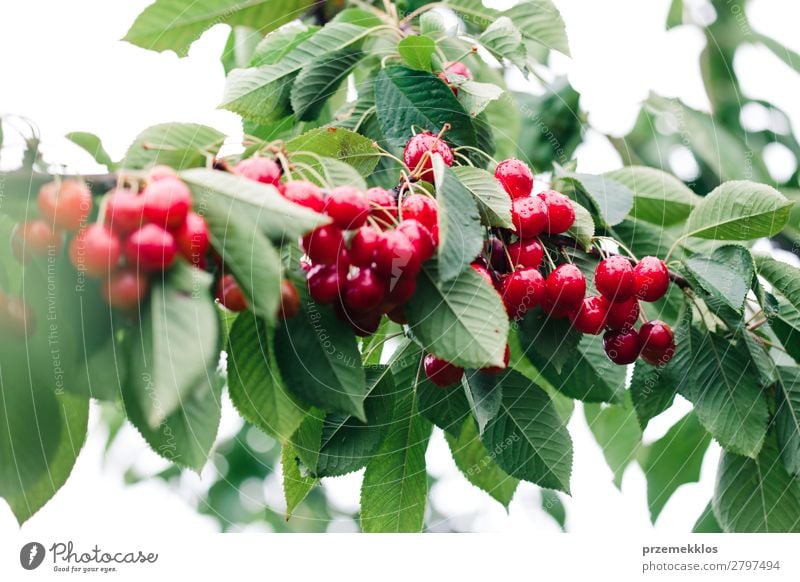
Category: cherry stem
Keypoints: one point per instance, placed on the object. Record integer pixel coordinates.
(757, 324)
(620, 245)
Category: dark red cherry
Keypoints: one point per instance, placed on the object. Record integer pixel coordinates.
(362, 246)
(364, 291)
(324, 244)
(657, 341)
(442, 373)
(622, 347)
(325, 283)
(622, 315)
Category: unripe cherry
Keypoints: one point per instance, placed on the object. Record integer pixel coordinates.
(305, 194)
(324, 244)
(522, 290)
(650, 279)
(421, 208)
(347, 206)
(591, 315)
(657, 342)
(290, 300)
(259, 169)
(95, 251)
(529, 216)
(65, 205)
(383, 206)
(442, 373)
(418, 147)
(565, 288)
(364, 291)
(622, 315)
(230, 295)
(560, 212)
(166, 203)
(125, 289)
(124, 211)
(613, 278)
(193, 239)
(622, 347)
(515, 177)
(151, 248)
(526, 253)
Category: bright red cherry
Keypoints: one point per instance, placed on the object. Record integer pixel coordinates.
(418, 147)
(305, 194)
(591, 315)
(483, 272)
(529, 216)
(95, 251)
(498, 369)
(151, 248)
(65, 205)
(193, 240)
(34, 239)
(290, 300)
(362, 246)
(622, 347)
(402, 289)
(325, 283)
(125, 289)
(259, 169)
(230, 295)
(395, 255)
(522, 290)
(364, 291)
(420, 237)
(124, 211)
(324, 244)
(560, 212)
(622, 315)
(657, 341)
(515, 177)
(526, 253)
(613, 278)
(383, 206)
(442, 373)
(650, 279)
(347, 206)
(421, 208)
(565, 288)
(166, 203)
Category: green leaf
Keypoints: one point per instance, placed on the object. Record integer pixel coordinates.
(582, 230)
(780, 50)
(659, 198)
(477, 464)
(447, 408)
(407, 100)
(548, 341)
(786, 326)
(460, 233)
(319, 80)
(462, 321)
(239, 48)
(93, 146)
(296, 487)
(504, 40)
(528, 437)
(617, 431)
(739, 210)
(673, 460)
(494, 204)
(756, 495)
(395, 486)
(337, 143)
(176, 24)
(787, 417)
(431, 24)
(652, 390)
(416, 51)
(554, 507)
(178, 145)
(782, 277)
(254, 381)
(707, 522)
(611, 199)
(326, 172)
(484, 393)
(475, 97)
(727, 274)
(278, 43)
(675, 14)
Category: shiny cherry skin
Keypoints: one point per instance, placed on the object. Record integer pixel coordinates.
(522, 290)
(421, 208)
(515, 177)
(290, 300)
(347, 206)
(305, 194)
(650, 279)
(591, 315)
(230, 295)
(166, 203)
(420, 237)
(402, 289)
(395, 255)
(325, 283)
(529, 216)
(442, 373)
(363, 323)
(483, 272)
(622, 316)
(125, 289)
(66, 205)
(497, 254)
(417, 148)
(657, 341)
(565, 288)
(526, 253)
(498, 369)
(613, 278)
(193, 239)
(95, 251)
(151, 248)
(362, 246)
(622, 347)
(124, 211)
(34, 239)
(383, 206)
(364, 291)
(324, 244)
(560, 212)
(259, 169)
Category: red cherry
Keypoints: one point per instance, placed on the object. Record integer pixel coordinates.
(657, 341)
(166, 203)
(395, 255)
(305, 194)
(622, 316)
(613, 278)
(591, 315)
(483, 272)
(290, 300)
(526, 253)
(124, 211)
(259, 169)
(421, 208)
(362, 246)
(325, 282)
(555, 311)
(364, 291)
(324, 244)
(418, 146)
(383, 206)
(498, 369)
(565, 288)
(363, 324)
(95, 251)
(529, 216)
(230, 295)
(398, 315)
(402, 289)
(347, 206)
(650, 279)
(621, 347)
(442, 373)
(515, 177)
(456, 68)
(151, 248)
(160, 172)
(125, 289)
(193, 240)
(560, 212)
(419, 236)
(34, 239)
(522, 290)
(65, 205)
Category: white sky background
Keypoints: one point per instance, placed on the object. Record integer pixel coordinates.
(64, 67)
